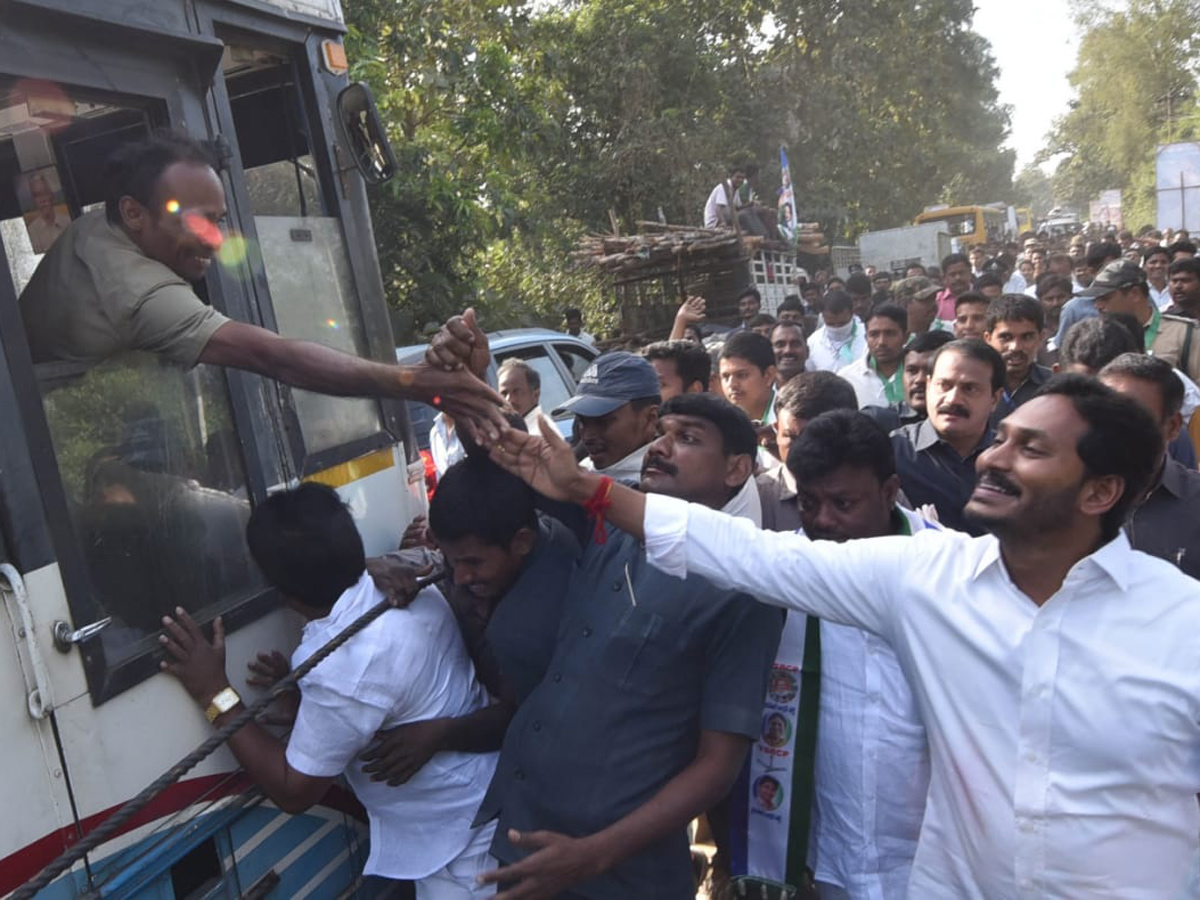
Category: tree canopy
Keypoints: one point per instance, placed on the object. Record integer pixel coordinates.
(520, 126)
(1135, 88)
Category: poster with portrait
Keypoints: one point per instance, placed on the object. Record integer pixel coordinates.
(43, 206)
(787, 201)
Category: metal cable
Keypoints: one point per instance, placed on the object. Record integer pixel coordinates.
(112, 825)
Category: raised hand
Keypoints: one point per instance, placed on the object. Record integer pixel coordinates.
(545, 462)
(460, 344)
(691, 311)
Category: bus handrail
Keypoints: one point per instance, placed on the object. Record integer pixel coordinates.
(112, 825)
(40, 700)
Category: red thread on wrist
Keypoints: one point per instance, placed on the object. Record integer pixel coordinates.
(598, 506)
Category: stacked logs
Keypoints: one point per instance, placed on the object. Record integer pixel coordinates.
(672, 249)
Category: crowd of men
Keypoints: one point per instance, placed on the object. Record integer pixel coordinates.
(862, 583)
(985, 683)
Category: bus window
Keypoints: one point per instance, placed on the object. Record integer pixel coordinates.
(303, 250)
(152, 472)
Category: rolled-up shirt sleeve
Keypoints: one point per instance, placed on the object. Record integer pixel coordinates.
(853, 583)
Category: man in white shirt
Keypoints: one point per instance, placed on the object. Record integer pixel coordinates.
(445, 446)
(407, 665)
(871, 757)
(574, 318)
(521, 387)
(1156, 261)
(1055, 668)
(717, 210)
(840, 340)
(877, 377)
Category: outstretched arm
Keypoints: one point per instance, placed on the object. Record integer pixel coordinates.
(850, 583)
(313, 367)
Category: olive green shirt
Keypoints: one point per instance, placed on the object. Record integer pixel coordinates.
(1171, 340)
(95, 294)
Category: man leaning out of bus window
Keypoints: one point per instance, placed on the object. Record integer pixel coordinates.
(407, 665)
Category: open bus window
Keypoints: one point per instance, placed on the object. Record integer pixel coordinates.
(152, 472)
(303, 250)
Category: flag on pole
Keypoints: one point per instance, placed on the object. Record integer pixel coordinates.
(787, 201)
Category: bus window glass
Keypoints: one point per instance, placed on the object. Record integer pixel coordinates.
(308, 272)
(303, 251)
(156, 489)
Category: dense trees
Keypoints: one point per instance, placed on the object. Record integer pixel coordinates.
(521, 125)
(1135, 84)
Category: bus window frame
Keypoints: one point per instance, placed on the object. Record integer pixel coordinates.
(343, 196)
(165, 80)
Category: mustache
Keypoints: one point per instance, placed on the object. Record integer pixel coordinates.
(954, 409)
(992, 478)
(658, 464)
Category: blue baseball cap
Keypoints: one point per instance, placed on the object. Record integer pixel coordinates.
(610, 382)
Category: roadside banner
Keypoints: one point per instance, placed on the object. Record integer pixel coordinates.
(787, 201)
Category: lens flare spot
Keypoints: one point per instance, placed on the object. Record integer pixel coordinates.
(202, 229)
(334, 324)
(437, 400)
(172, 206)
(233, 252)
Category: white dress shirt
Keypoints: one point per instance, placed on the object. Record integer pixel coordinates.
(869, 388)
(1064, 739)
(872, 765)
(408, 665)
(828, 355)
(444, 445)
(1162, 299)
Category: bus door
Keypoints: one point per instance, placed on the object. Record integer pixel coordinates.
(139, 474)
(299, 209)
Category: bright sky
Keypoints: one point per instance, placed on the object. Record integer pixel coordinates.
(1034, 43)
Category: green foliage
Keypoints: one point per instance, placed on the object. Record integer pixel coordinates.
(526, 283)
(521, 125)
(1135, 84)
(1032, 187)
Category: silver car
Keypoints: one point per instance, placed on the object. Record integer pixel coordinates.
(560, 359)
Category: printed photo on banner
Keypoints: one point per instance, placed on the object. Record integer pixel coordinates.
(787, 201)
(768, 793)
(783, 687)
(776, 730)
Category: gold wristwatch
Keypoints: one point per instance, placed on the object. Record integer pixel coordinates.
(225, 700)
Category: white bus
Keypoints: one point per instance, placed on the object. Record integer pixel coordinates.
(124, 487)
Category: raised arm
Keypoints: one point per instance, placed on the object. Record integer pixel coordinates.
(690, 312)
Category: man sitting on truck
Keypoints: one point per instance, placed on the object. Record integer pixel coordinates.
(121, 280)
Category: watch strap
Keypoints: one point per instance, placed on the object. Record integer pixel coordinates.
(225, 700)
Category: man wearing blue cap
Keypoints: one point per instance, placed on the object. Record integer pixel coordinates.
(616, 408)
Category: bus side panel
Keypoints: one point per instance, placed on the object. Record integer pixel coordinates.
(33, 791)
